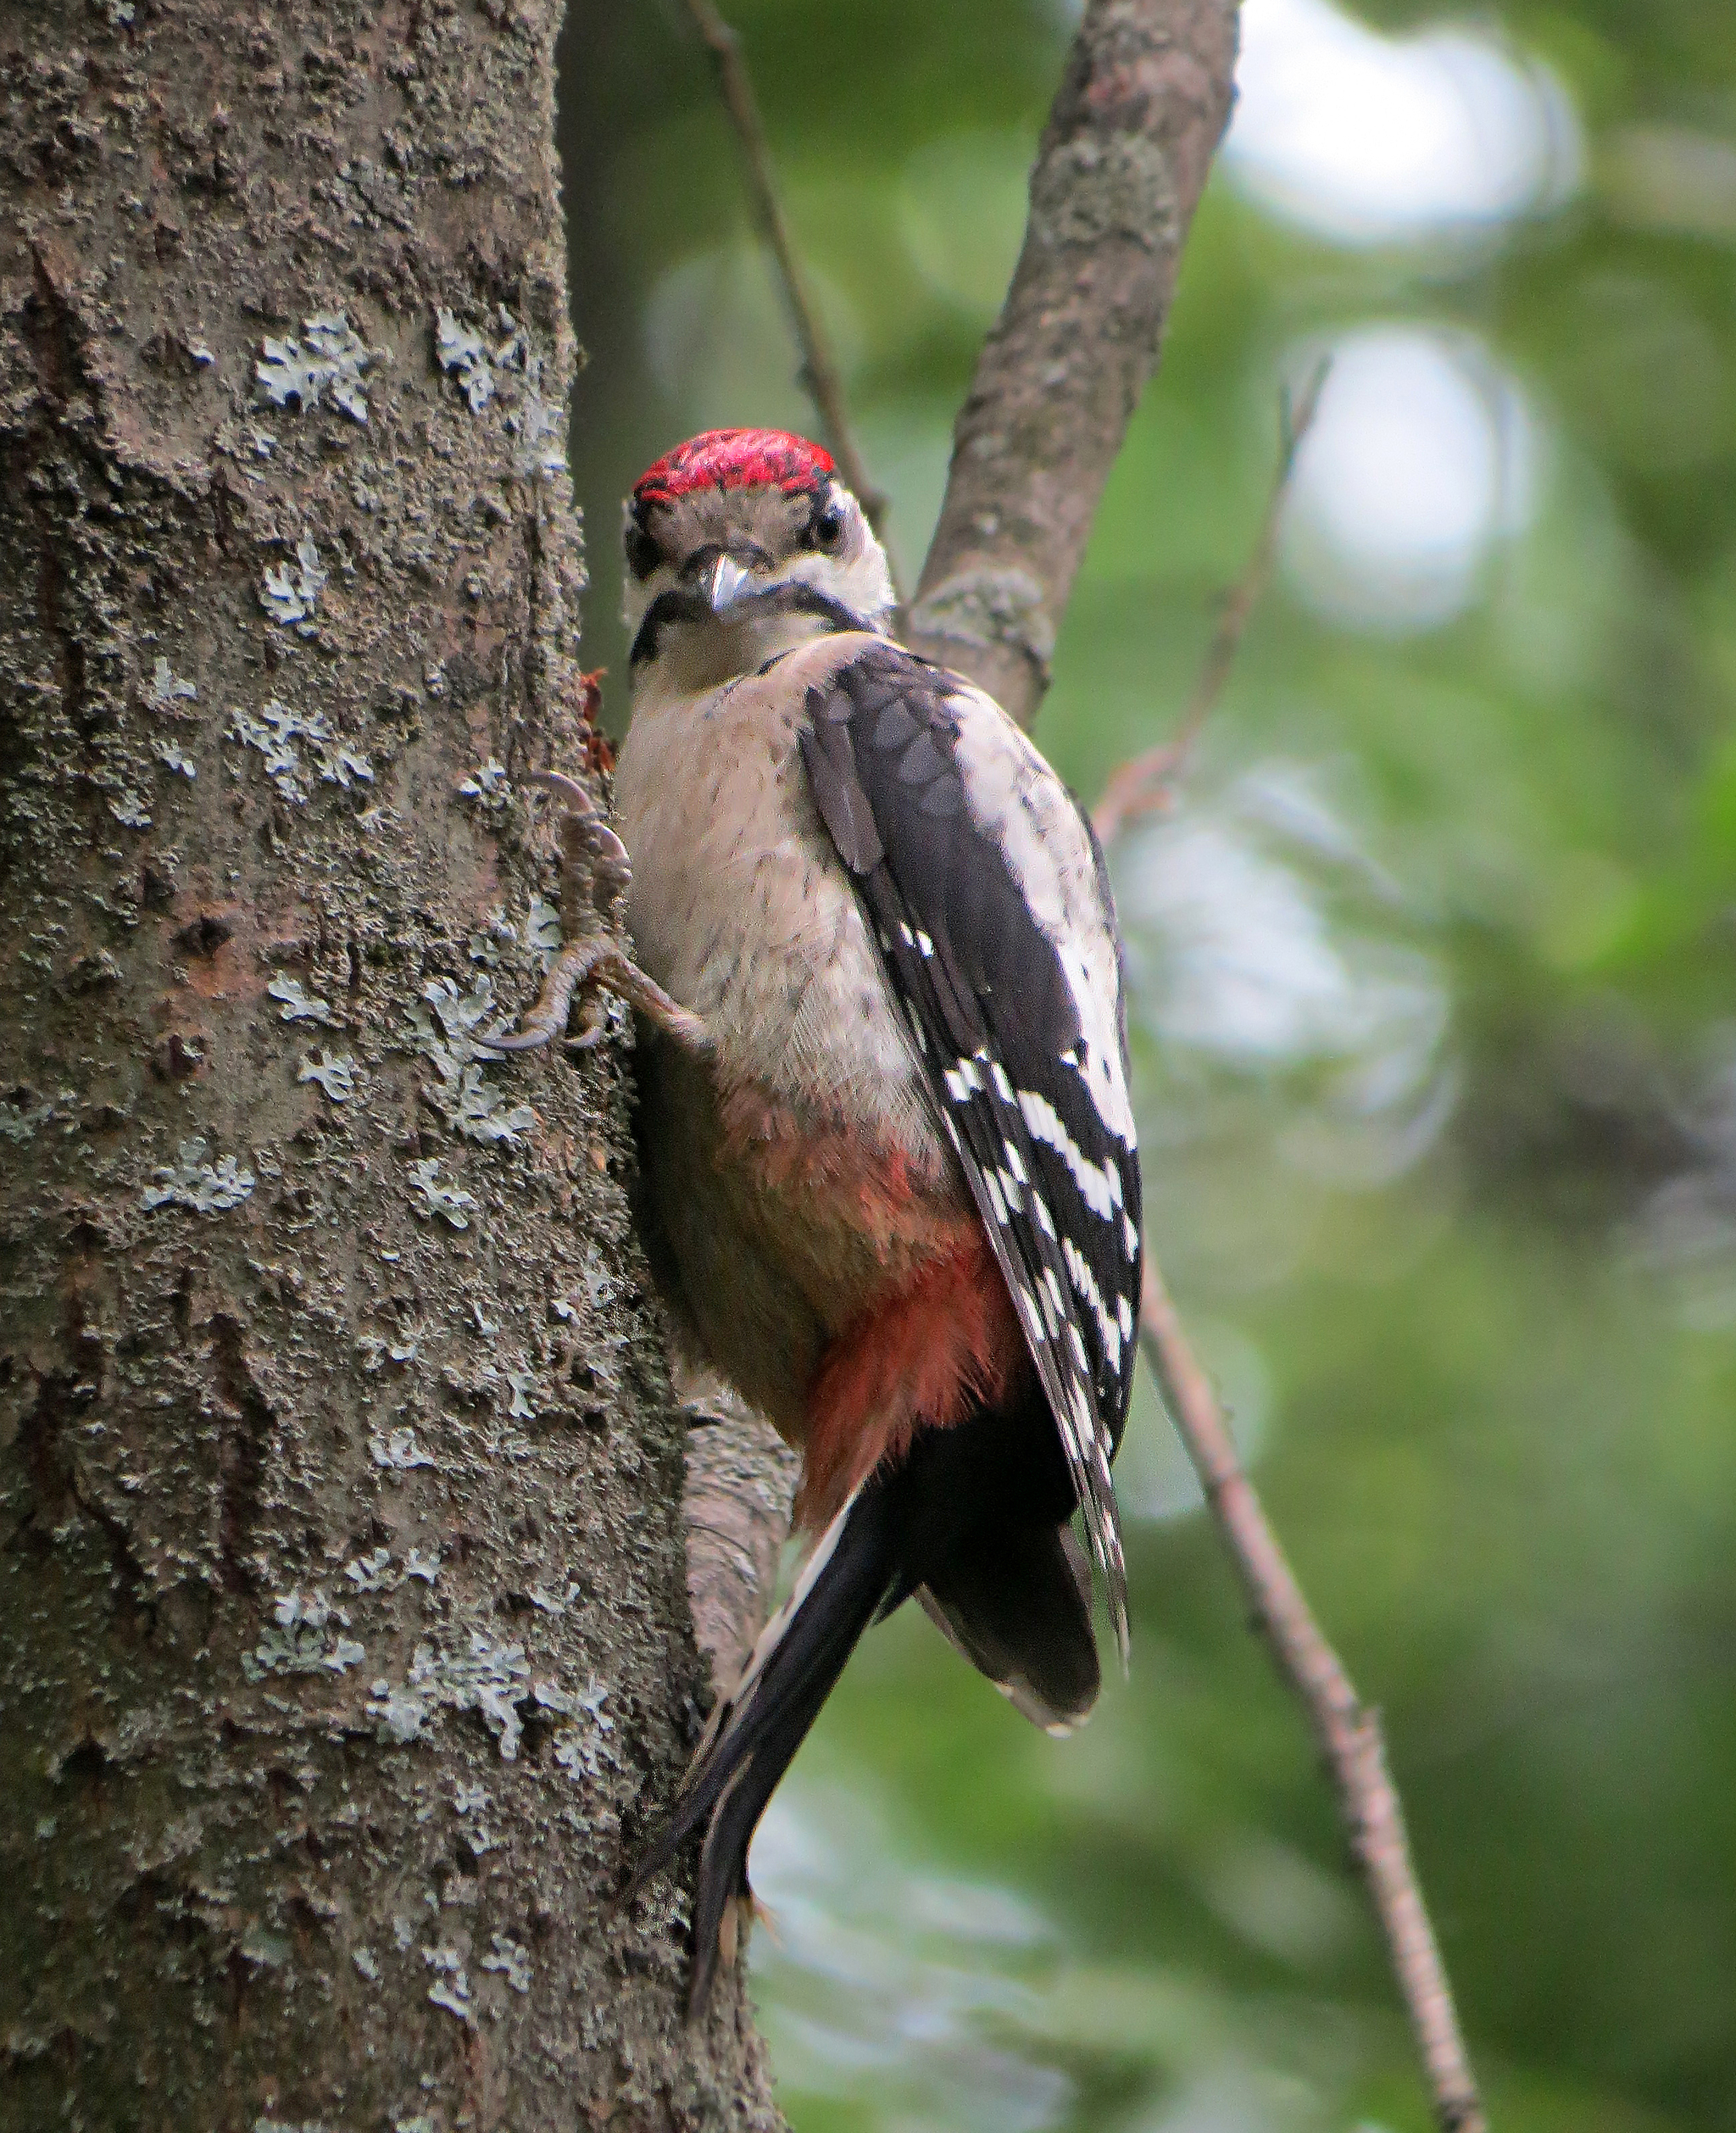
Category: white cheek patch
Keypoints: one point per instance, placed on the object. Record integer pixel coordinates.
(638, 593)
(858, 579)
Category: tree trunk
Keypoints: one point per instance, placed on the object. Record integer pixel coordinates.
(341, 1620)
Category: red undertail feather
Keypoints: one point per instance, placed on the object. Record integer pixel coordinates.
(927, 1355)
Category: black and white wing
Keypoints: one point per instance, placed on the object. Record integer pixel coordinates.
(987, 891)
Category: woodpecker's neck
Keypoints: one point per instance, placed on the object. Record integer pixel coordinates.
(686, 656)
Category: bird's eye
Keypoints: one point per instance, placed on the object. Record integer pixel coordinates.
(643, 554)
(826, 527)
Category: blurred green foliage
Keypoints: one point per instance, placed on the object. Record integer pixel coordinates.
(1437, 1049)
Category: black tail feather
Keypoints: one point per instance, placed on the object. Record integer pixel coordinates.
(974, 1520)
(1016, 1600)
(757, 1728)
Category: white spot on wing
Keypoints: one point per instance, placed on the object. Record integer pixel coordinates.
(1092, 1178)
(1015, 797)
(1086, 1288)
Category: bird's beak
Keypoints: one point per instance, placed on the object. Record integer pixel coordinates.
(727, 584)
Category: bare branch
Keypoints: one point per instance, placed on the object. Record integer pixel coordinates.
(1137, 787)
(1118, 171)
(819, 371)
(1347, 1731)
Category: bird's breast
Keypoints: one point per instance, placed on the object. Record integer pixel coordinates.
(740, 908)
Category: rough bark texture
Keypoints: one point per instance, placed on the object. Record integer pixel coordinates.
(1118, 174)
(741, 1483)
(342, 1625)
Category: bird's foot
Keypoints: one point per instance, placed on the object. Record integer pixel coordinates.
(594, 874)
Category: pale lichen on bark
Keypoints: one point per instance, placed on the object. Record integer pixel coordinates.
(342, 1612)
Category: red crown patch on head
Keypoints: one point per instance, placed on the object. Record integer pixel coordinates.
(734, 459)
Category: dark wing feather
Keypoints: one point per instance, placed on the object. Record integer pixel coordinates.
(984, 982)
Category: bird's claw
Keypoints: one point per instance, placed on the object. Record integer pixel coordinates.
(595, 868)
(592, 1023)
(595, 872)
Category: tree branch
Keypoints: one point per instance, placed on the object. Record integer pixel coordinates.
(1347, 1731)
(1119, 171)
(819, 366)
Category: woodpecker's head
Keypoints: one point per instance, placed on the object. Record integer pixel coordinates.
(741, 544)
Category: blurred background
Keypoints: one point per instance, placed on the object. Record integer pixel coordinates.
(1435, 1041)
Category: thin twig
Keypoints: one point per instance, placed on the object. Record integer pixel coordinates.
(1144, 783)
(819, 372)
(1347, 1731)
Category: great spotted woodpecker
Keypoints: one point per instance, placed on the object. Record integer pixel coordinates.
(884, 1126)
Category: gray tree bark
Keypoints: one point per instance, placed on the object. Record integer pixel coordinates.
(342, 1618)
